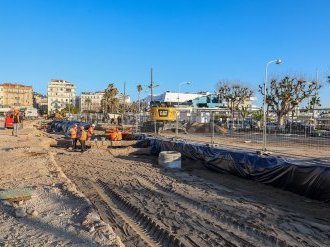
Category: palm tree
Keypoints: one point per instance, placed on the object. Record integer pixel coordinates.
(110, 101)
(88, 102)
(139, 89)
(313, 102)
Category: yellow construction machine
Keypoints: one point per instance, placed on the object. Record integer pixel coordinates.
(162, 118)
(158, 113)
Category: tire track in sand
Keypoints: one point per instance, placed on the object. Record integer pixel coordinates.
(244, 234)
(143, 224)
(110, 211)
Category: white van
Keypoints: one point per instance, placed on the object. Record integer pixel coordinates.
(31, 113)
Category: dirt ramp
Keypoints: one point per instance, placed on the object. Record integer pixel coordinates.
(205, 128)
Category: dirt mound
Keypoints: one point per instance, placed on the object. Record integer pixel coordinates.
(205, 128)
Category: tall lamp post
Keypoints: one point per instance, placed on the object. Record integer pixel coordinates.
(178, 105)
(264, 134)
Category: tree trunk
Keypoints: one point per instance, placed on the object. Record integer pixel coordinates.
(280, 119)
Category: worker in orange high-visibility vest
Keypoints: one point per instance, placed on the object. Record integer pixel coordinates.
(90, 132)
(83, 138)
(74, 133)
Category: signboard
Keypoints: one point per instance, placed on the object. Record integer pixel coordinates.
(163, 113)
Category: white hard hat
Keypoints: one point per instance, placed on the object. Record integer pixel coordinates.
(93, 125)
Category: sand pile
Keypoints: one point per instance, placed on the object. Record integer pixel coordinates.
(205, 128)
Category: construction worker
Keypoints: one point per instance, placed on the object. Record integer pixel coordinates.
(90, 132)
(74, 132)
(16, 122)
(83, 138)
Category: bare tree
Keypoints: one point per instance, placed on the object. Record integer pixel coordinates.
(234, 94)
(286, 94)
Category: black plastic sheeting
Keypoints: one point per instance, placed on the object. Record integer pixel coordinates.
(63, 126)
(304, 177)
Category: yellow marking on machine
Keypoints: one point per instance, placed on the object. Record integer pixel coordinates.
(163, 113)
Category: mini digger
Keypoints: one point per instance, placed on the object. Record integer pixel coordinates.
(162, 118)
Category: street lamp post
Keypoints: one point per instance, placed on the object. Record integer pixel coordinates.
(178, 105)
(264, 134)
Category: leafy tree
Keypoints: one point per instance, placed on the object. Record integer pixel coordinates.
(234, 95)
(313, 102)
(110, 102)
(258, 115)
(244, 112)
(134, 107)
(70, 108)
(122, 103)
(284, 95)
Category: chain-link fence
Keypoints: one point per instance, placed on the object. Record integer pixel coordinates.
(302, 133)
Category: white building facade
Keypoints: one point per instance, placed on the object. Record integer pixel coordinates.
(174, 97)
(91, 102)
(60, 93)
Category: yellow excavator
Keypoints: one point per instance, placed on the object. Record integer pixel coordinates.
(164, 114)
(162, 118)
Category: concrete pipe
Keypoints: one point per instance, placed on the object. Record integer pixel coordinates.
(169, 159)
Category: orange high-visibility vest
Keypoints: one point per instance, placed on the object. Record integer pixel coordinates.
(73, 132)
(90, 133)
(83, 135)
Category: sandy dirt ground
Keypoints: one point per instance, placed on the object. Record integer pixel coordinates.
(81, 197)
(57, 214)
(149, 206)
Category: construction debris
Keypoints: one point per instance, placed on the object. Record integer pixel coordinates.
(16, 195)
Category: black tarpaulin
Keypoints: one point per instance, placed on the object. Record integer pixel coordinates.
(305, 177)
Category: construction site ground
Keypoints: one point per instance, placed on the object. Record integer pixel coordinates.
(120, 196)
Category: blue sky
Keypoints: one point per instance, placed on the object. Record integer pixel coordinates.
(92, 43)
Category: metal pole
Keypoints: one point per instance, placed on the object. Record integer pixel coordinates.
(124, 105)
(212, 139)
(264, 143)
(139, 115)
(155, 124)
(151, 86)
(264, 133)
(177, 115)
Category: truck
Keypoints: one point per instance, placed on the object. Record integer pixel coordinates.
(9, 119)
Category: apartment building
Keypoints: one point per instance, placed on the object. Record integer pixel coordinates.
(13, 95)
(40, 102)
(60, 93)
(90, 101)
